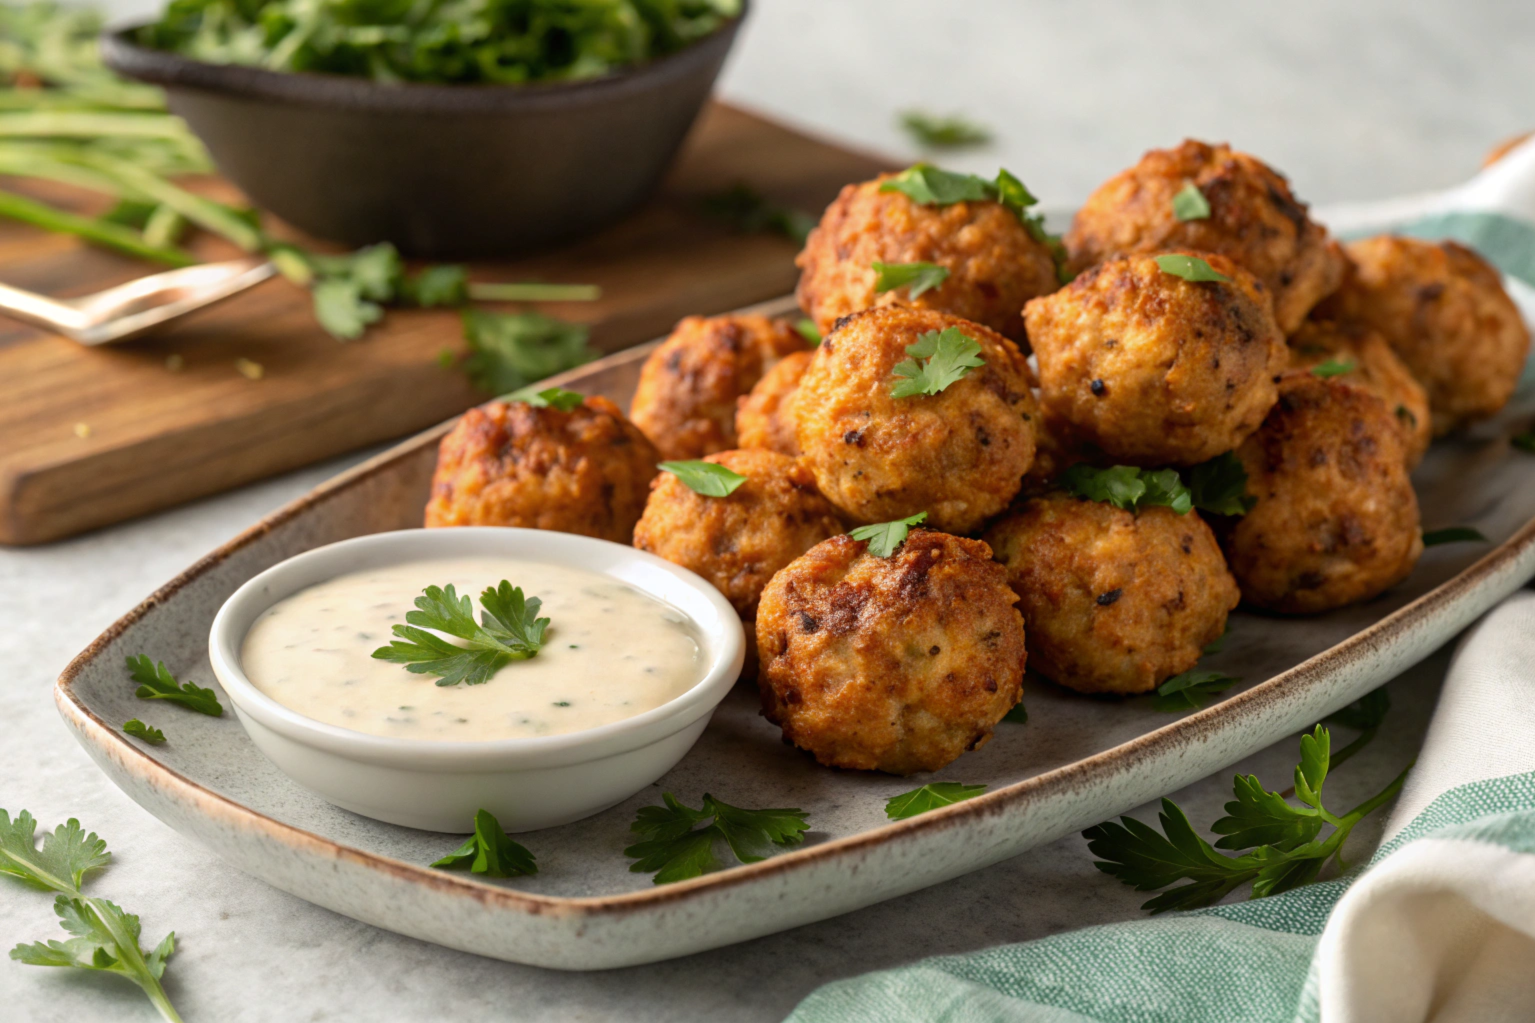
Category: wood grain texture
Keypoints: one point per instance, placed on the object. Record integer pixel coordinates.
(89, 437)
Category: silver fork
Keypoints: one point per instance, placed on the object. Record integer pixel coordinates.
(130, 309)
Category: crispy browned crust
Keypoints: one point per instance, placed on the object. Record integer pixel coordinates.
(1153, 369)
(958, 455)
(895, 664)
(1376, 369)
(738, 542)
(1114, 601)
(1254, 219)
(1336, 519)
(764, 418)
(994, 264)
(584, 471)
(686, 398)
(1443, 309)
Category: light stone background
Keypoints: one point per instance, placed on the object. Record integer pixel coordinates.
(1352, 100)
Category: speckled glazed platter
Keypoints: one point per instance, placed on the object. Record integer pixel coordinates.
(1076, 762)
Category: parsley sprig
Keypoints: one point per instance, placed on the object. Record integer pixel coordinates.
(679, 842)
(707, 478)
(938, 359)
(1218, 486)
(157, 683)
(934, 132)
(1453, 534)
(1187, 691)
(1190, 203)
(509, 630)
(490, 851)
(148, 733)
(1190, 268)
(885, 537)
(549, 397)
(929, 797)
(920, 278)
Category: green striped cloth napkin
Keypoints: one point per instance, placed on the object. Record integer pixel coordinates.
(1439, 925)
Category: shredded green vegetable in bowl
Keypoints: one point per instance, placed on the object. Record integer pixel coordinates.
(504, 42)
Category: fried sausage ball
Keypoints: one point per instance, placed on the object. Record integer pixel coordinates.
(1443, 309)
(994, 264)
(763, 417)
(1114, 601)
(1336, 520)
(584, 471)
(958, 455)
(895, 664)
(739, 541)
(1372, 365)
(686, 398)
(1154, 369)
(1254, 219)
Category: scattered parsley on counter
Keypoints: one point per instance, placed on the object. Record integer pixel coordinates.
(1190, 268)
(511, 350)
(149, 733)
(157, 683)
(885, 537)
(938, 359)
(677, 843)
(742, 208)
(929, 797)
(933, 132)
(1190, 203)
(1334, 368)
(549, 397)
(509, 630)
(920, 277)
(1454, 534)
(490, 851)
(1188, 690)
(1219, 486)
(705, 478)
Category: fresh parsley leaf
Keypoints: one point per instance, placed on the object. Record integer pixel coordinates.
(149, 733)
(1190, 268)
(1165, 488)
(1220, 486)
(706, 478)
(1190, 203)
(106, 939)
(509, 630)
(157, 683)
(1219, 643)
(921, 277)
(376, 270)
(1019, 715)
(66, 856)
(1334, 368)
(932, 186)
(434, 286)
(490, 851)
(677, 844)
(1454, 534)
(744, 209)
(1127, 487)
(934, 132)
(342, 310)
(1365, 714)
(549, 397)
(938, 359)
(134, 213)
(809, 331)
(1523, 441)
(929, 797)
(1188, 690)
(512, 350)
(885, 537)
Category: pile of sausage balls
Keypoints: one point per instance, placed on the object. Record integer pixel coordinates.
(1206, 317)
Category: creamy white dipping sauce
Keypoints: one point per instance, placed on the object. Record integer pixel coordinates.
(610, 652)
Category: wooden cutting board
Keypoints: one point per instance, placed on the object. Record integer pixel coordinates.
(89, 437)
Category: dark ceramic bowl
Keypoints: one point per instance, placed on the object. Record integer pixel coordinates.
(443, 171)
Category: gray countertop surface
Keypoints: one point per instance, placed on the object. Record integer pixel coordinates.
(1353, 101)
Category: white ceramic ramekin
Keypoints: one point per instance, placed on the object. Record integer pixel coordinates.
(437, 785)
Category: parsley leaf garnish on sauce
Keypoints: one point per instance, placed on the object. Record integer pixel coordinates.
(1333, 368)
(935, 132)
(706, 478)
(1190, 268)
(1453, 534)
(679, 842)
(921, 277)
(1190, 203)
(1188, 690)
(509, 630)
(938, 359)
(885, 537)
(149, 733)
(157, 683)
(549, 397)
(929, 797)
(490, 851)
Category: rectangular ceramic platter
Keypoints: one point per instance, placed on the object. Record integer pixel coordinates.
(1076, 762)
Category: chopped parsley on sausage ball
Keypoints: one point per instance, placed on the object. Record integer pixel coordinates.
(584, 471)
(686, 398)
(1254, 219)
(1358, 355)
(1153, 369)
(994, 264)
(739, 541)
(958, 455)
(1114, 601)
(1336, 519)
(763, 418)
(1443, 309)
(896, 664)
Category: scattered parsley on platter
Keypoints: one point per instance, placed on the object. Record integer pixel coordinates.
(1453, 534)
(157, 683)
(490, 851)
(929, 797)
(149, 733)
(679, 842)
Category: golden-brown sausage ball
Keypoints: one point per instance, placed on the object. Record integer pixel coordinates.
(584, 471)
(1375, 368)
(763, 418)
(686, 398)
(1114, 601)
(1154, 369)
(895, 664)
(994, 264)
(958, 455)
(1336, 519)
(1254, 219)
(1443, 309)
(739, 541)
